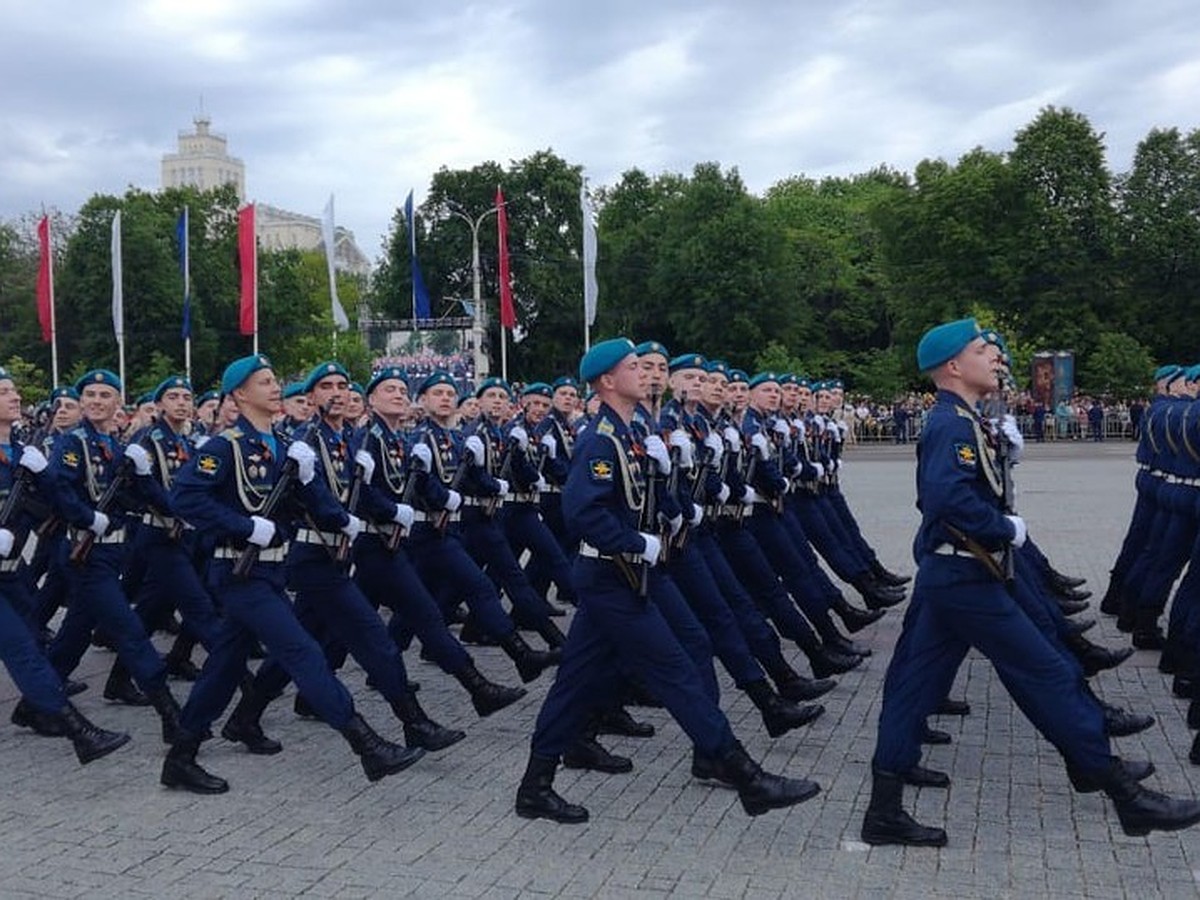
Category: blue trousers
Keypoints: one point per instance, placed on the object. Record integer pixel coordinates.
(525, 530)
(445, 566)
(27, 665)
(955, 606)
(835, 500)
(1150, 587)
(825, 532)
(487, 545)
(613, 632)
(97, 599)
(799, 578)
(172, 582)
(257, 608)
(1134, 543)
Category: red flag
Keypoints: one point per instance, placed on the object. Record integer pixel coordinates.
(508, 312)
(248, 264)
(45, 281)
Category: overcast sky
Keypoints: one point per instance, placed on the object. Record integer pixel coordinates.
(367, 98)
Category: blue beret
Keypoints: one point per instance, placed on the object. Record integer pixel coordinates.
(943, 342)
(1192, 373)
(493, 382)
(686, 361)
(293, 389)
(206, 396)
(64, 391)
(387, 374)
(1179, 372)
(763, 378)
(717, 367)
(802, 381)
(786, 378)
(645, 348)
(538, 388)
(463, 397)
(241, 369)
(5, 375)
(357, 388)
(324, 370)
(99, 376)
(435, 379)
(1167, 371)
(605, 355)
(175, 381)
(565, 381)
(737, 376)
(147, 397)
(838, 383)
(818, 386)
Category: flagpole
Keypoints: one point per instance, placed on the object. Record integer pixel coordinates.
(187, 296)
(256, 282)
(121, 368)
(50, 283)
(503, 353)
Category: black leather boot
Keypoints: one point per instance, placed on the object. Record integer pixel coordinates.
(875, 595)
(1071, 607)
(472, 634)
(950, 707)
(589, 753)
(761, 791)
(244, 725)
(794, 686)
(891, 579)
(119, 688)
(1113, 599)
(420, 730)
(826, 661)
(303, 708)
(1058, 579)
(180, 770)
(551, 633)
(91, 742)
(1194, 754)
(780, 716)
(179, 659)
(1142, 810)
(1122, 723)
(74, 687)
(168, 711)
(1095, 658)
(705, 768)
(25, 716)
(919, 776)
(933, 736)
(1177, 658)
(1137, 769)
(486, 696)
(379, 757)
(530, 663)
(853, 618)
(886, 822)
(1146, 633)
(537, 799)
(618, 721)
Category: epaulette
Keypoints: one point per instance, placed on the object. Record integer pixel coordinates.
(604, 426)
(232, 434)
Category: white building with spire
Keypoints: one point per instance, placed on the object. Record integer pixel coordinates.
(202, 161)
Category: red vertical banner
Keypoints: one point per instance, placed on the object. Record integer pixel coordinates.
(45, 281)
(508, 312)
(248, 266)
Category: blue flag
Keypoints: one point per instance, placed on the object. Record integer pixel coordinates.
(420, 295)
(181, 234)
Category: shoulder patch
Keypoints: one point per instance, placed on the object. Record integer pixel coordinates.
(208, 464)
(966, 455)
(604, 426)
(600, 470)
(70, 458)
(231, 434)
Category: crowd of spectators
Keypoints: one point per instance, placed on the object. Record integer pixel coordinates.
(461, 366)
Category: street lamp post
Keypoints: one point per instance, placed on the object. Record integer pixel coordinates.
(480, 325)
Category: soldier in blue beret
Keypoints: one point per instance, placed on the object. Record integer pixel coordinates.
(43, 706)
(223, 490)
(960, 601)
(615, 627)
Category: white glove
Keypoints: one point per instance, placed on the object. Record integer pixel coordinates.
(353, 527)
(542, 484)
(1008, 425)
(798, 425)
(99, 524)
(7, 539)
(366, 462)
(453, 501)
(733, 438)
(264, 531)
(818, 423)
(33, 459)
(820, 469)
(474, 446)
(139, 457)
(306, 460)
(550, 444)
(422, 457)
(843, 428)
(503, 486)
(1018, 525)
(723, 493)
(749, 495)
(653, 548)
(657, 451)
(673, 524)
(404, 516)
(697, 515)
(782, 428)
(715, 446)
(520, 435)
(760, 443)
(681, 439)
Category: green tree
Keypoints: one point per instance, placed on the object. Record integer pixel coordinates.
(1118, 366)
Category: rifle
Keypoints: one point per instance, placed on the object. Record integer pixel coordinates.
(649, 520)
(392, 544)
(456, 483)
(16, 497)
(83, 547)
(1004, 462)
(342, 554)
(493, 503)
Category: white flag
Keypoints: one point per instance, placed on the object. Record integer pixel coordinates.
(339, 315)
(591, 290)
(118, 298)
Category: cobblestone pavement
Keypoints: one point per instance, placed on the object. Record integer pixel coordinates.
(307, 822)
